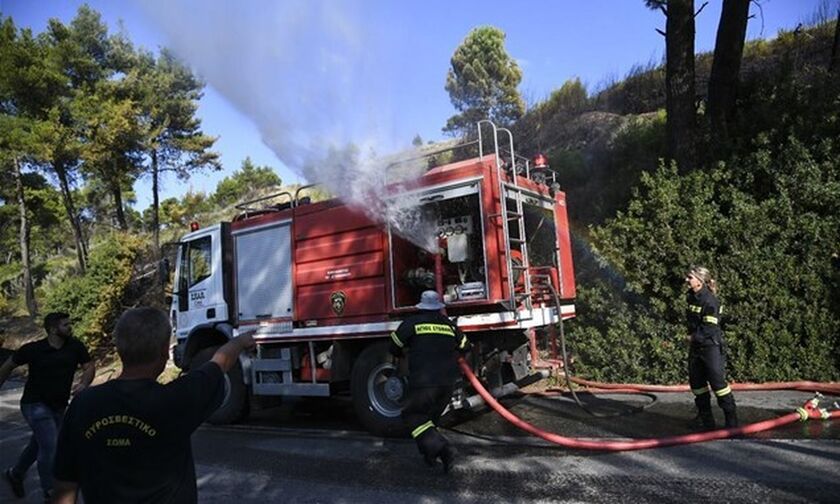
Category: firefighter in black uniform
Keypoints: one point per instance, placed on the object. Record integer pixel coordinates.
(706, 355)
(434, 342)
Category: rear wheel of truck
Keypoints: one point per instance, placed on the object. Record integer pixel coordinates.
(378, 392)
(234, 405)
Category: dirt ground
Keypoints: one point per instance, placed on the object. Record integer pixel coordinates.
(15, 331)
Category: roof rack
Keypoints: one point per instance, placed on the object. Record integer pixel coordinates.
(294, 200)
(516, 164)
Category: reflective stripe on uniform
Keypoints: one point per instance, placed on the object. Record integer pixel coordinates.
(700, 391)
(396, 339)
(422, 428)
(722, 392)
(441, 329)
(464, 342)
(695, 308)
(710, 319)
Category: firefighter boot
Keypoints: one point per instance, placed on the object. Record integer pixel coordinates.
(731, 418)
(447, 456)
(730, 414)
(704, 419)
(431, 444)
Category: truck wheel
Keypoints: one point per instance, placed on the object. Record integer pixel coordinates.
(378, 393)
(234, 406)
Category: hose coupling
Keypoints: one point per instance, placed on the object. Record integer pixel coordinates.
(812, 410)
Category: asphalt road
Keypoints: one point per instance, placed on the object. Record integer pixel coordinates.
(314, 451)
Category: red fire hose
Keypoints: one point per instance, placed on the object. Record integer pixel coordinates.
(832, 388)
(827, 388)
(809, 410)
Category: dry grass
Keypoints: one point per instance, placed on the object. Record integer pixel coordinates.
(16, 331)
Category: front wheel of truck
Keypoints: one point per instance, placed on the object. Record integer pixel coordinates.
(378, 391)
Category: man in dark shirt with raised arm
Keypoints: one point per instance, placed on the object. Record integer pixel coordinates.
(128, 440)
(52, 362)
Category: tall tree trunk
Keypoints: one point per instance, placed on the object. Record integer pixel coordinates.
(67, 196)
(834, 66)
(29, 289)
(726, 65)
(116, 190)
(123, 223)
(679, 82)
(155, 202)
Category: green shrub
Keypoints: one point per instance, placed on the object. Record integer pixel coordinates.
(569, 99)
(616, 339)
(4, 305)
(774, 256)
(94, 300)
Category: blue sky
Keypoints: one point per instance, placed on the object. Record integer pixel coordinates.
(288, 79)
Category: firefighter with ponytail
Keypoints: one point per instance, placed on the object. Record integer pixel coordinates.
(707, 350)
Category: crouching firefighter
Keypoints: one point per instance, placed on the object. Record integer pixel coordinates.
(434, 342)
(707, 351)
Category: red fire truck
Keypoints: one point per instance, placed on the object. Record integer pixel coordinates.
(325, 284)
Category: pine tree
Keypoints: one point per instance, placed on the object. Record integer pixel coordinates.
(482, 82)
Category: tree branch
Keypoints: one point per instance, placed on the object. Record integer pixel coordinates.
(701, 9)
(661, 32)
(761, 12)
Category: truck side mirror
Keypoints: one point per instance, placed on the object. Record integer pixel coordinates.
(163, 271)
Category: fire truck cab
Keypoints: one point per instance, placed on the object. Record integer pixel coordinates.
(324, 284)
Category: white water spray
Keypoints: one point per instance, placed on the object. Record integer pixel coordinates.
(308, 73)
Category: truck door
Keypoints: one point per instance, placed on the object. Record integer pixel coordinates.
(264, 273)
(200, 287)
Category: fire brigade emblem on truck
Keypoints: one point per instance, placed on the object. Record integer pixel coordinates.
(338, 300)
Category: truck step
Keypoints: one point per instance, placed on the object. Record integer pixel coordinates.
(292, 389)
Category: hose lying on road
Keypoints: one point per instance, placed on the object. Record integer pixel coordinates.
(556, 363)
(832, 388)
(809, 410)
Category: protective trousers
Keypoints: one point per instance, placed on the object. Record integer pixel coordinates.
(421, 413)
(707, 367)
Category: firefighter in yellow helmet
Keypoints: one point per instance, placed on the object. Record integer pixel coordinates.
(706, 355)
(433, 342)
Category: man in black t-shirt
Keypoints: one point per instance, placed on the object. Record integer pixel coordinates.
(52, 362)
(128, 440)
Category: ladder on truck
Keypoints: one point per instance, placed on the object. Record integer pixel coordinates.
(516, 217)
